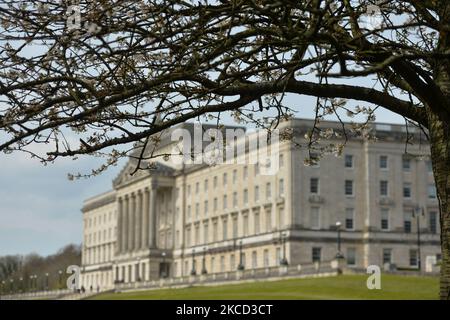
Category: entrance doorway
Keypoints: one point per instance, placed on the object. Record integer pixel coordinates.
(164, 269)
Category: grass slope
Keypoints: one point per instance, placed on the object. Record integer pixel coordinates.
(342, 287)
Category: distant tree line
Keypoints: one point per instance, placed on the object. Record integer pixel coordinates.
(32, 272)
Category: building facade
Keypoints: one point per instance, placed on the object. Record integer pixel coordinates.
(181, 219)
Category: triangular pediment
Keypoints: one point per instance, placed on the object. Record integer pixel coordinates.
(154, 169)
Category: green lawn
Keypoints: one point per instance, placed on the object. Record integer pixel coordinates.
(342, 287)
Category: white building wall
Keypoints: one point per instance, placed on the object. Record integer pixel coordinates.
(182, 215)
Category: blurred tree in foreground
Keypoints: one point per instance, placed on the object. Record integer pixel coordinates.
(84, 78)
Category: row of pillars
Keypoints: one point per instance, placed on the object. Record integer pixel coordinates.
(137, 220)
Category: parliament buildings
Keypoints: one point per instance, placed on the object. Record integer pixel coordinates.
(176, 219)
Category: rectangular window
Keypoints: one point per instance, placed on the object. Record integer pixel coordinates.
(387, 256)
(315, 217)
(385, 219)
(281, 160)
(254, 260)
(278, 255)
(348, 161)
(245, 196)
(256, 169)
(245, 172)
(215, 182)
(314, 185)
(266, 258)
(268, 221)
(232, 262)
(315, 160)
(281, 187)
(267, 163)
(351, 256)
(197, 210)
(225, 179)
(413, 259)
(215, 231)
(222, 264)
(235, 199)
(433, 222)
(431, 191)
(257, 222)
(197, 188)
(215, 204)
(234, 176)
(268, 190)
(281, 218)
(407, 222)
(407, 190)
(256, 193)
(186, 267)
(349, 216)
(384, 188)
(189, 212)
(188, 236)
(205, 233)
(144, 273)
(383, 162)
(225, 201)
(406, 164)
(197, 234)
(316, 254)
(235, 228)
(206, 207)
(246, 225)
(224, 229)
(205, 187)
(349, 187)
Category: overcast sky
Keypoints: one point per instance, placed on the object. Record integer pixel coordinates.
(40, 207)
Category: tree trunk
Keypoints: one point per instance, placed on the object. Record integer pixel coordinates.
(440, 154)
(439, 129)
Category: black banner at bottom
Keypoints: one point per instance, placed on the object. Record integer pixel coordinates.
(233, 309)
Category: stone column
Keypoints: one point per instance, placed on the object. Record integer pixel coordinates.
(125, 224)
(138, 222)
(131, 213)
(119, 244)
(145, 219)
(152, 222)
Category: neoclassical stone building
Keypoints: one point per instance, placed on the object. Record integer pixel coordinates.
(179, 219)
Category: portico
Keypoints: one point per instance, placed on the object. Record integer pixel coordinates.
(136, 217)
(138, 254)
